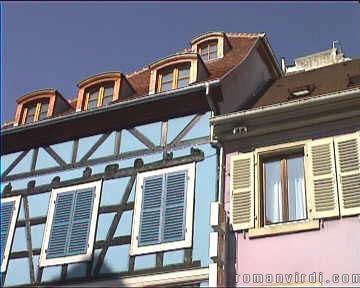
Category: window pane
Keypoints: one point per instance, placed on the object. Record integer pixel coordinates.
(213, 47)
(273, 192)
(30, 114)
(43, 111)
(213, 55)
(167, 77)
(109, 91)
(107, 99)
(183, 82)
(184, 72)
(92, 104)
(166, 86)
(296, 188)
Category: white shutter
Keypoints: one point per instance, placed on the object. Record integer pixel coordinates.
(322, 187)
(347, 151)
(242, 191)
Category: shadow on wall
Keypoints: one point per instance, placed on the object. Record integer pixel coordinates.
(231, 260)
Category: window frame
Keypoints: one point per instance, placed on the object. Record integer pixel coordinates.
(37, 104)
(11, 233)
(175, 71)
(100, 89)
(206, 45)
(43, 261)
(282, 157)
(284, 227)
(135, 248)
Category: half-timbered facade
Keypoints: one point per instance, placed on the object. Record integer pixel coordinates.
(115, 186)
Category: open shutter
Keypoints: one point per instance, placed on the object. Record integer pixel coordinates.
(174, 214)
(322, 183)
(242, 191)
(60, 225)
(151, 211)
(79, 231)
(7, 210)
(347, 151)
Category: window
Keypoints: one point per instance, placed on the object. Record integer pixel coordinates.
(283, 187)
(173, 78)
(163, 210)
(208, 50)
(99, 96)
(70, 227)
(35, 111)
(9, 214)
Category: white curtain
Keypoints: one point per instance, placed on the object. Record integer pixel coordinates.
(274, 202)
(297, 198)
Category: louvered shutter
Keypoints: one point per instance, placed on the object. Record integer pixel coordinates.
(322, 184)
(7, 211)
(151, 210)
(242, 191)
(347, 151)
(80, 226)
(60, 225)
(174, 214)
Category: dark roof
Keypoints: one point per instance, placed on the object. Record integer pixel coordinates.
(320, 81)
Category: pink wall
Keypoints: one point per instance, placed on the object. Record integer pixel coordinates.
(334, 249)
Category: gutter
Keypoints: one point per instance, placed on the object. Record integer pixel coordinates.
(280, 106)
(115, 106)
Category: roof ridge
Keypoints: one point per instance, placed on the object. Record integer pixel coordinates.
(244, 34)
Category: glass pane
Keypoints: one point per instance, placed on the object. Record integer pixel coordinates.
(213, 55)
(93, 95)
(273, 192)
(108, 91)
(167, 77)
(296, 188)
(166, 86)
(213, 47)
(107, 99)
(92, 104)
(183, 82)
(43, 111)
(184, 72)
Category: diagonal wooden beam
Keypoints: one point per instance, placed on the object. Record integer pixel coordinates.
(14, 163)
(186, 130)
(117, 143)
(34, 159)
(94, 147)
(55, 156)
(114, 224)
(28, 239)
(142, 138)
(75, 149)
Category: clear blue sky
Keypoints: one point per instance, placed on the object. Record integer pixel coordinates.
(56, 45)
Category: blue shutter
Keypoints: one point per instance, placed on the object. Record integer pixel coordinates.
(79, 231)
(60, 225)
(174, 228)
(7, 211)
(151, 211)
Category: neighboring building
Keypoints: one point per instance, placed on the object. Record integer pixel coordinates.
(115, 186)
(293, 165)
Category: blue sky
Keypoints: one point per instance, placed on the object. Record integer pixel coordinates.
(56, 45)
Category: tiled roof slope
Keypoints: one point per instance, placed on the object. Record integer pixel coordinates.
(241, 44)
(323, 80)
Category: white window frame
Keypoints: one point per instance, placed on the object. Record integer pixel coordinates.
(10, 237)
(74, 258)
(135, 249)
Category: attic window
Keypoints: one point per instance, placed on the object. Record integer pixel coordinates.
(173, 78)
(354, 80)
(99, 95)
(35, 111)
(301, 91)
(208, 50)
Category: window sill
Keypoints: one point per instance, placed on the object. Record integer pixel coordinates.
(284, 228)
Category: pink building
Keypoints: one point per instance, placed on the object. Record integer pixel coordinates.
(291, 177)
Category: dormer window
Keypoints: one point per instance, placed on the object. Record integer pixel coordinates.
(176, 71)
(35, 111)
(101, 90)
(211, 46)
(208, 50)
(173, 78)
(99, 96)
(39, 105)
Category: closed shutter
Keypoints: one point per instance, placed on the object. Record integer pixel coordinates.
(174, 214)
(60, 225)
(7, 211)
(347, 151)
(242, 191)
(79, 233)
(322, 183)
(151, 211)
